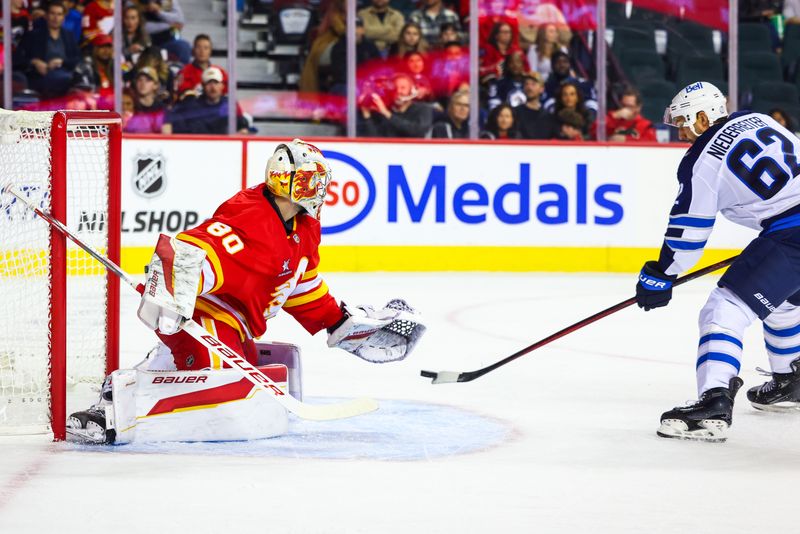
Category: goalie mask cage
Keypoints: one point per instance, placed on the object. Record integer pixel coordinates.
(59, 308)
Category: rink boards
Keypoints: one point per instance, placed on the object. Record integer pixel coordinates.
(430, 206)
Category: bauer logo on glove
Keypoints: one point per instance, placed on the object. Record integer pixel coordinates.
(378, 336)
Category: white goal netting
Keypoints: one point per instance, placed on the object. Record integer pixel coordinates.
(27, 269)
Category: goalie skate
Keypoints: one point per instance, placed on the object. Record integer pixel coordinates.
(89, 427)
(708, 419)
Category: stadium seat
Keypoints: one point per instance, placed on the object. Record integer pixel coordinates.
(641, 64)
(771, 95)
(629, 37)
(656, 96)
(791, 51)
(755, 67)
(754, 37)
(694, 68)
(615, 13)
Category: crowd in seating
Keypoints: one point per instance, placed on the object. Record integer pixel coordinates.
(536, 74)
(63, 58)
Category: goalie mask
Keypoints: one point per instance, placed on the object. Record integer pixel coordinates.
(298, 171)
(691, 100)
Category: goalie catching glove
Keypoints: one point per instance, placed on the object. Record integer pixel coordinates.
(170, 293)
(378, 336)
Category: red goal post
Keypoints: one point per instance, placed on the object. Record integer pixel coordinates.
(59, 315)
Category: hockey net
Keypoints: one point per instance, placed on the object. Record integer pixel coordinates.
(58, 307)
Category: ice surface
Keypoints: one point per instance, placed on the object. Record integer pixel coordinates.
(561, 440)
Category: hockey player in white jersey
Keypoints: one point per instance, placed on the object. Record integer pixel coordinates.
(743, 166)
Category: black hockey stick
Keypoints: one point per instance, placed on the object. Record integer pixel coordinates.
(448, 377)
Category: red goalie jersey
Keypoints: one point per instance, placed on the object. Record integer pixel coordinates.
(255, 266)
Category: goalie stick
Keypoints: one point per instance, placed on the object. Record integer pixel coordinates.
(318, 412)
(449, 377)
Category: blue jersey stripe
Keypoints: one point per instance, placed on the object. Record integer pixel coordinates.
(694, 222)
(784, 332)
(719, 357)
(685, 245)
(787, 350)
(721, 337)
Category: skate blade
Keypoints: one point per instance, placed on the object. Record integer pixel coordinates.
(780, 407)
(75, 435)
(712, 431)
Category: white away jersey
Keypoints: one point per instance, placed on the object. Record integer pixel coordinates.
(744, 168)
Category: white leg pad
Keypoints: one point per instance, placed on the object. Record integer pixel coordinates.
(213, 405)
(284, 354)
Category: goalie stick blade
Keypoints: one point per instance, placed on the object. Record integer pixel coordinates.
(443, 377)
(329, 412)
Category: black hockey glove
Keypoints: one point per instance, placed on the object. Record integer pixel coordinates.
(654, 288)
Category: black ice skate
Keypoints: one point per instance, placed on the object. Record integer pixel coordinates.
(781, 394)
(89, 427)
(704, 420)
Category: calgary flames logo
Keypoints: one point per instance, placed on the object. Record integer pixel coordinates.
(309, 183)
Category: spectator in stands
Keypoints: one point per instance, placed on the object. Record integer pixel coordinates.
(20, 21)
(50, 54)
(449, 70)
(98, 18)
(330, 30)
(509, 88)
(73, 20)
(542, 50)
(501, 43)
(532, 121)
(456, 124)
(135, 38)
(448, 35)
(191, 76)
(571, 125)
(365, 51)
(149, 109)
(127, 106)
(96, 72)
(205, 114)
(152, 57)
(500, 124)
(431, 17)
(626, 124)
(782, 118)
(406, 118)
(415, 66)
(410, 40)
(382, 24)
(163, 19)
(562, 72)
(569, 96)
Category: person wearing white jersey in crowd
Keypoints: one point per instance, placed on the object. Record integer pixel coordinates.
(744, 166)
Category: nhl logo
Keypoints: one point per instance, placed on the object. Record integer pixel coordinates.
(149, 176)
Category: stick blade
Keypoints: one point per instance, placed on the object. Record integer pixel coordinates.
(330, 412)
(442, 377)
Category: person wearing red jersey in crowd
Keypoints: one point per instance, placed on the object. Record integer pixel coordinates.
(626, 124)
(502, 42)
(191, 76)
(98, 18)
(257, 255)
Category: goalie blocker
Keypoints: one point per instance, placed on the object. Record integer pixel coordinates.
(146, 404)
